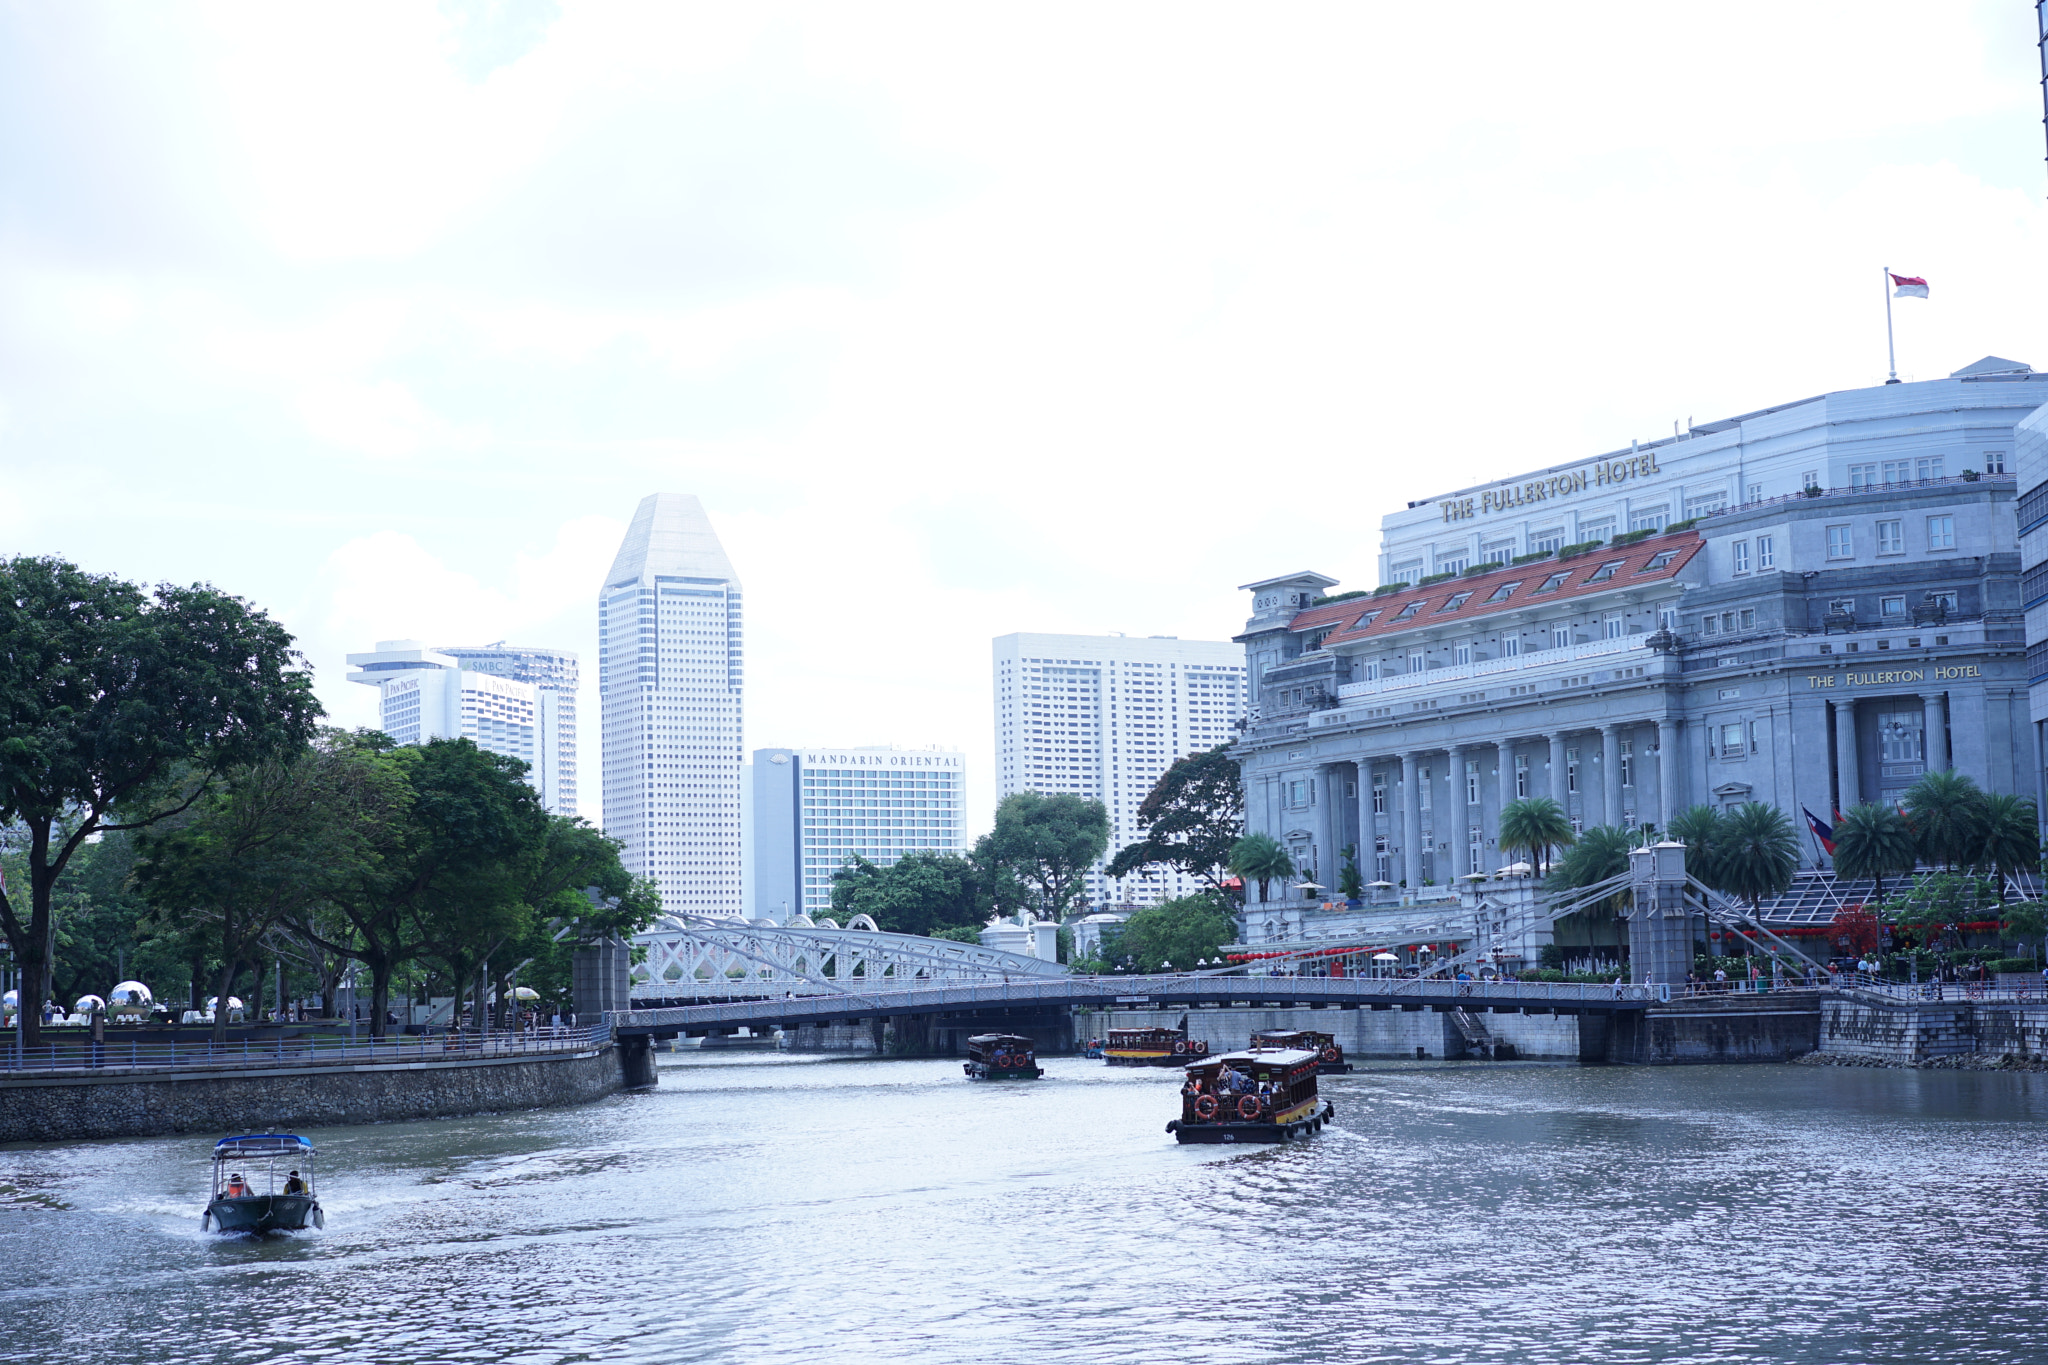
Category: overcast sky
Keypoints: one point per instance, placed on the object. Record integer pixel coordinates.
(961, 319)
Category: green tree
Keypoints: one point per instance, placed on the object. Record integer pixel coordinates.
(1758, 853)
(2011, 838)
(114, 699)
(1260, 858)
(1182, 931)
(2025, 922)
(1599, 853)
(920, 893)
(1046, 844)
(1350, 880)
(1192, 818)
(1873, 841)
(1946, 810)
(1700, 829)
(1533, 826)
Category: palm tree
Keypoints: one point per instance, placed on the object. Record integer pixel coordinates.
(1535, 825)
(1873, 841)
(1757, 853)
(1699, 828)
(1260, 858)
(1946, 810)
(2012, 841)
(1601, 852)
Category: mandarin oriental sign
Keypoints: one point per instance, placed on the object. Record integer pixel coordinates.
(879, 758)
(1599, 474)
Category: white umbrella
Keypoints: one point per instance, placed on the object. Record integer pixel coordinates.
(1308, 886)
(1381, 886)
(1513, 870)
(1385, 957)
(525, 993)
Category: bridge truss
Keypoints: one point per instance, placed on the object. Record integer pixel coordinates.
(705, 958)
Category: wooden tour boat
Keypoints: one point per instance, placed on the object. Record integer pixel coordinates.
(268, 1203)
(1001, 1057)
(1260, 1095)
(1153, 1046)
(1323, 1045)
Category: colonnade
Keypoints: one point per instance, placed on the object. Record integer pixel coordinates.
(1847, 774)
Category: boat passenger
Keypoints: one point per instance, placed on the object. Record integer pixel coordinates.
(236, 1188)
(295, 1185)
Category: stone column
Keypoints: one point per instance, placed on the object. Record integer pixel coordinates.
(1507, 771)
(1669, 756)
(1368, 824)
(1454, 758)
(1411, 820)
(1610, 774)
(1324, 851)
(1845, 755)
(1558, 792)
(1937, 729)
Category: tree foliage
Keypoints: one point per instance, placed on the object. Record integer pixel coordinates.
(1040, 852)
(1181, 931)
(919, 893)
(1260, 858)
(1873, 841)
(117, 707)
(1756, 853)
(1533, 826)
(1192, 818)
(1946, 811)
(2011, 839)
(1699, 829)
(1599, 853)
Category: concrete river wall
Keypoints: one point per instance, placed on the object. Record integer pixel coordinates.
(243, 1097)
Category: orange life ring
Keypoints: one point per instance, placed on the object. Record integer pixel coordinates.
(1180, 1047)
(1205, 1107)
(1330, 1053)
(1202, 1048)
(1001, 1059)
(1248, 1107)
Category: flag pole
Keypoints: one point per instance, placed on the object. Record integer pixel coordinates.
(1891, 353)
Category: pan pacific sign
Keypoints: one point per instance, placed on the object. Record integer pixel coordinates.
(1599, 474)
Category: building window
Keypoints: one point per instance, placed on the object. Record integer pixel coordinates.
(1596, 530)
(1451, 563)
(1415, 663)
(1897, 471)
(1554, 582)
(1297, 792)
(1457, 600)
(1424, 785)
(1571, 771)
(1748, 618)
(1475, 848)
(1766, 553)
(1756, 493)
(1410, 609)
(1810, 479)
(1741, 549)
(1606, 571)
(1372, 670)
(1510, 646)
(1560, 636)
(1929, 466)
(1901, 735)
(1944, 600)
(1463, 653)
(1706, 504)
(1521, 775)
(1661, 559)
(1628, 762)
(1667, 618)
(1611, 626)
(1383, 864)
(1649, 519)
(1891, 538)
(1379, 795)
(1547, 542)
(1710, 624)
(1941, 533)
(1501, 593)
(1841, 545)
(1892, 606)
(1994, 462)
(1734, 740)
(1471, 782)
(1862, 476)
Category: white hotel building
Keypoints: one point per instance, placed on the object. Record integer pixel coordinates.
(816, 809)
(669, 685)
(1103, 716)
(1809, 605)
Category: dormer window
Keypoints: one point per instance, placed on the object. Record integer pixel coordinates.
(1500, 594)
(1410, 609)
(1606, 571)
(1552, 583)
(1458, 599)
(1659, 560)
(1362, 622)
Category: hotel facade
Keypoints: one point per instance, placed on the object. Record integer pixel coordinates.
(1809, 606)
(815, 810)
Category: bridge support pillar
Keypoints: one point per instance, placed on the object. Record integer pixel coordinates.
(601, 978)
(1660, 937)
(636, 1061)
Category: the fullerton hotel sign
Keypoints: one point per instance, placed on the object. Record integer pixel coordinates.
(1599, 474)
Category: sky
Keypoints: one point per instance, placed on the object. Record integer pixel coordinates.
(960, 320)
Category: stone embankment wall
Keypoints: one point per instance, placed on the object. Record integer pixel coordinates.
(258, 1099)
(1774, 1027)
(1364, 1034)
(1915, 1033)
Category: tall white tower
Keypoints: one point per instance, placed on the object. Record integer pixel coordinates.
(668, 681)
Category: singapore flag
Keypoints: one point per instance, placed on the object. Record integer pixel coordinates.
(1909, 287)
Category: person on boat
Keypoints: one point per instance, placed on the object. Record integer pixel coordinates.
(295, 1185)
(236, 1189)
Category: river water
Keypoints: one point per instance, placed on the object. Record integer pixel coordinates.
(775, 1209)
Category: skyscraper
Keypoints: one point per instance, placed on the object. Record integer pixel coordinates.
(815, 809)
(1103, 716)
(669, 683)
(447, 694)
(552, 675)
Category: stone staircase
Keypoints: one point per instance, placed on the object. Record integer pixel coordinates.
(1478, 1041)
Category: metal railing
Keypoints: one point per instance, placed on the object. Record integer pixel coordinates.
(84, 1056)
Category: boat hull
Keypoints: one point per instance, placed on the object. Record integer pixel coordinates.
(1234, 1131)
(1131, 1057)
(262, 1213)
(982, 1071)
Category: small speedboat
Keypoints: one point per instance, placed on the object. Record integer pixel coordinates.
(281, 1199)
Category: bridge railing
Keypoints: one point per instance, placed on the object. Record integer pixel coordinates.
(100, 1059)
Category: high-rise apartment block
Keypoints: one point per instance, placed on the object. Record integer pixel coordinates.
(1103, 716)
(428, 694)
(669, 687)
(815, 809)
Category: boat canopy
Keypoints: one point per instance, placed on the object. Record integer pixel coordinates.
(261, 1145)
(1269, 1056)
(990, 1039)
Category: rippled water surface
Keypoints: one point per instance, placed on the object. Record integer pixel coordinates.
(761, 1208)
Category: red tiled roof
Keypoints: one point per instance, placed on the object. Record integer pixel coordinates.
(1391, 612)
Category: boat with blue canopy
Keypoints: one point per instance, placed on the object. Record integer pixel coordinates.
(242, 1203)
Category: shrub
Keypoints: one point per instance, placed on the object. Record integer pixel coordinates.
(1582, 547)
(1434, 578)
(1488, 567)
(1383, 589)
(1631, 537)
(1338, 597)
(2015, 964)
(1685, 525)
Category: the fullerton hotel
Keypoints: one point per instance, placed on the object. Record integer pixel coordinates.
(1809, 605)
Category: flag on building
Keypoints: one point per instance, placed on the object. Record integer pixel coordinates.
(1823, 832)
(1908, 287)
